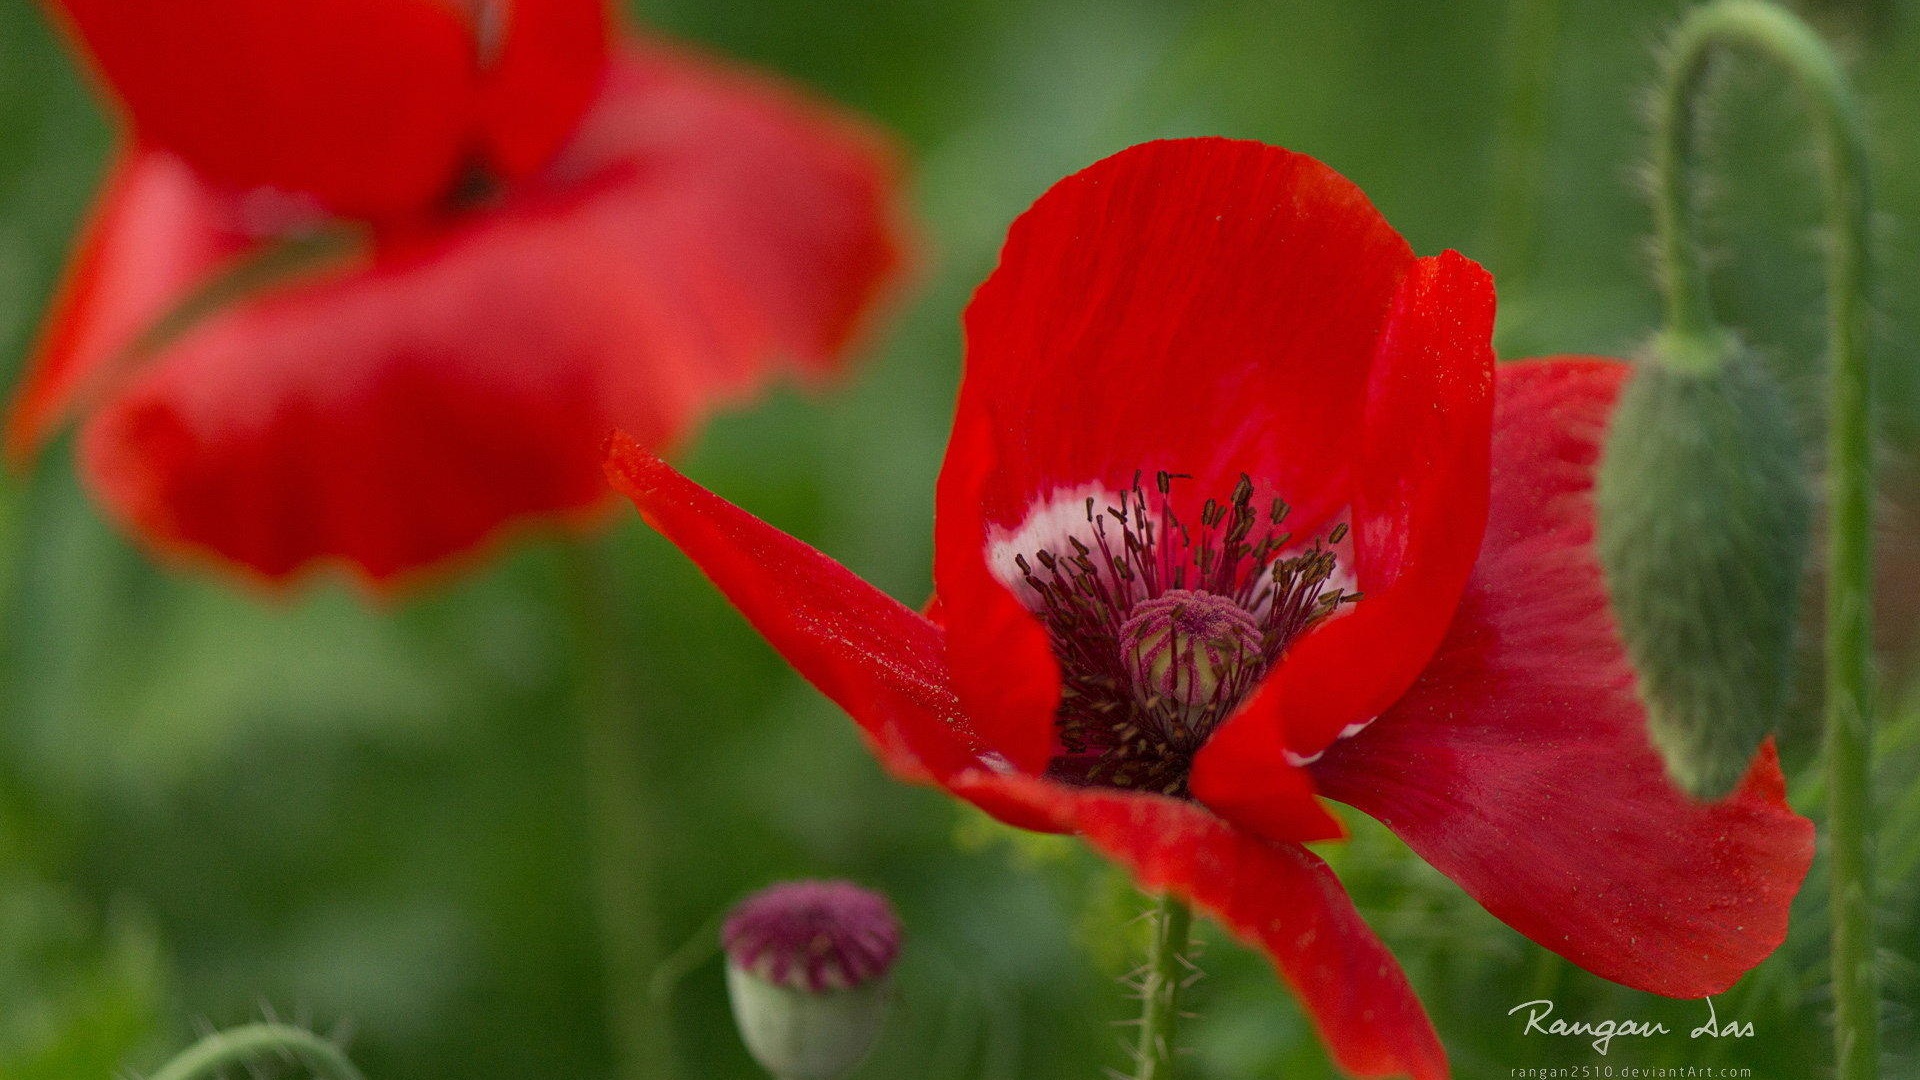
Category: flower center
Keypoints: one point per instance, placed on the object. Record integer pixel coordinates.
(1161, 630)
(1189, 650)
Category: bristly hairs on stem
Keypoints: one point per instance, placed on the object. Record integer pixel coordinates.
(254, 1045)
(1158, 984)
(1772, 34)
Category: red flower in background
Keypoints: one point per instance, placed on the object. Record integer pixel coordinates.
(565, 239)
(1239, 513)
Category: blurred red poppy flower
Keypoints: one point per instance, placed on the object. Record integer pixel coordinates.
(559, 239)
(371, 107)
(1238, 513)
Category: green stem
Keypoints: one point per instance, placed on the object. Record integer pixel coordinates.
(212, 1056)
(17, 797)
(1779, 37)
(625, 838)
(1166, 974)
(15, 485)
(1533, 44)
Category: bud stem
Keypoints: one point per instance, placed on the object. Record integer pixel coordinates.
(624, 832)
(1779, 37)
(1166, 975)
(212, 1056)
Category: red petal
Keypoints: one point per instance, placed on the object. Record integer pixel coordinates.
(157, 233)
(772, 211)
(1003, 664)
(1419, 507)
(396, 414)
(1202, 306)
(364, 104)
(877, 659)
(1278, 897)
(552, 57)
(1519, 763)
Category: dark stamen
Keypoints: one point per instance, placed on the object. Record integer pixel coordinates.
(1161, 631)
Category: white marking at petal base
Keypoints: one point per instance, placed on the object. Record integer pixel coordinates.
(1342, 578)
(1299, 761)
(1048, 525)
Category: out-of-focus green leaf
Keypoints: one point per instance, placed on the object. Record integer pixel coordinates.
(83, 992)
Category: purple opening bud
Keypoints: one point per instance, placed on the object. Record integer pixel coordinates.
(813, 935)
(807, 966)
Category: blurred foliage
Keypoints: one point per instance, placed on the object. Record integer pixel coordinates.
(84, 990)
(372, 811)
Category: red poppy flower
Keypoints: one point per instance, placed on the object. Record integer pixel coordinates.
(565, 241)
(303, 97)
(1135, 639)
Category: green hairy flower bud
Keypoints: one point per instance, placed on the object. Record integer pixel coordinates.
(1703, 508)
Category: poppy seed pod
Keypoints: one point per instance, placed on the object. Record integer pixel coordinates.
(1703, 509)
(807, 971)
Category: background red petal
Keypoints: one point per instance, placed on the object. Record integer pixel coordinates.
(394, 414)
(364, 104)
(772, 213)
(1280, 898)
(157, 232)
(1519, 763)
(551, 58)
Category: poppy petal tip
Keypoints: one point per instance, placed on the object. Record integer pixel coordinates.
(631, 467)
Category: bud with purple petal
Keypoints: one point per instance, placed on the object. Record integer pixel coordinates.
(807, 970)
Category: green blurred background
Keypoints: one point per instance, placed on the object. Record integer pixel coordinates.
(216, 806)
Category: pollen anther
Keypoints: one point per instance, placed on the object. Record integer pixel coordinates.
(1162, 631)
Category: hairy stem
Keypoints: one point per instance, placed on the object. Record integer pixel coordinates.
(1165, 976)
(212, 1056)
(1780, 38)
(625, 837)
